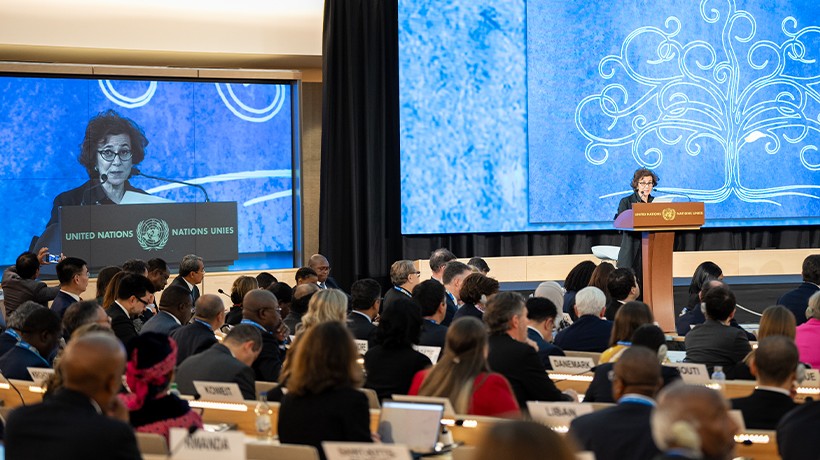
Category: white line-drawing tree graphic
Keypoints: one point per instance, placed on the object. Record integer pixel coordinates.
(730, 95)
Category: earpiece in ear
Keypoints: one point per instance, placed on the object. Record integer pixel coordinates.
(685, 435)
(800, 373)
(483, 299)
(662, 350)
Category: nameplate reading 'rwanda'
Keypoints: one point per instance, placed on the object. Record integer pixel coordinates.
(557, 413)
(107, 235)
(226, 445)
(692, 373)
(365, 451)
(218, 391)
(571, 365)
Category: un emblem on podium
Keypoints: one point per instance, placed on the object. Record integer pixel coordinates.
(152, 234)
(668, 214)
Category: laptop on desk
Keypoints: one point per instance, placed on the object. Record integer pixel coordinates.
(413, 424)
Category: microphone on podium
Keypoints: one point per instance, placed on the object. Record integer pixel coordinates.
(136, 172)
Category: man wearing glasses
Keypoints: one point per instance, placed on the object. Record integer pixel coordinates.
(643, 181)
(134, 294)
(191, 273)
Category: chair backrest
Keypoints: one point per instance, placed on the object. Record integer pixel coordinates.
(264, 387)
(281, 452)
(372, 397)
(584, 354)
(150, 443)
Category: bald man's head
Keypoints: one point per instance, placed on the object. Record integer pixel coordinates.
(93, 365)
(637, 371)
(260, 305)
(320, 265)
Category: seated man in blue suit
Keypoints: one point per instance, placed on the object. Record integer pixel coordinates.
(73, 275)
(39, 335)
(541, 313)
(797, 300)
(590, 332)
(175, 310)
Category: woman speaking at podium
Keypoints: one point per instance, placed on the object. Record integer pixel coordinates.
(643, 181)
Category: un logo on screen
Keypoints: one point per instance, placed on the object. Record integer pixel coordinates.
(152, 234)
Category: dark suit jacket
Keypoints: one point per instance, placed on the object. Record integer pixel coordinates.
(392, 296)
(180, 281)
(763, 409)
(15, 363)
(162, 323)
(269, 362)
(545, 349)
(795, 437)
(685, 322)
(361, 327)
(715, 344)
(587, 333)
(67, 426)
(468, 309)
(452, 308)
(121, 324)
(234, 315)
(331, 283)
(16, 290)
(600, 389)
(191, 339)
(616, 433)
(390, 371)
(215, 364)
(61, 303)
(519, 363)
(338, 414)
(797, 300)
(291, 321)
(432, 334)
(612, 308)
(630, 253)
(7, 342)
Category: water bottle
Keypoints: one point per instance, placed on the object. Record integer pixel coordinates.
(719, 377)
(174, 390)
(263, 417)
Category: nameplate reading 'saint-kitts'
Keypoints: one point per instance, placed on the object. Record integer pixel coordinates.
(226, 445)
(557, 413)
(571, 364)
(218, 391)
(693, 373)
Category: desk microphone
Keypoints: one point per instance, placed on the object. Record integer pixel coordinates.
(234, 301)
(223, 292)
(103, 179)
(136, 172)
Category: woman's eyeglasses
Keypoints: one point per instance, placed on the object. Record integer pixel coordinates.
(108, 154)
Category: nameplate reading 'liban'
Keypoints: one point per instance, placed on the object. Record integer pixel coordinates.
(557, 413)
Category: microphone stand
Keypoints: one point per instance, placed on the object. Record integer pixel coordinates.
(137, 172)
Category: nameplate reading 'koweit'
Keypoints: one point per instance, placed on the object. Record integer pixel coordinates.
(571, 365)
(226, 445)
(218, 391)
(557, 413)
(692, 373)
(365, 451)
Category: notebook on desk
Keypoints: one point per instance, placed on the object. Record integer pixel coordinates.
(415, 425)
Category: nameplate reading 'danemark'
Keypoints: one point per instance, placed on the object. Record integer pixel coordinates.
(218, 391)
(571, 365)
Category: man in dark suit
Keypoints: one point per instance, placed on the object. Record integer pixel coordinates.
(623, 288)
(795, 434)
(260, 309)
(430, 297)
(624, 431)
(299, 305)
(590, 332)
(11, 336)
(514, 358)
(321, 266)
(198, 335)
(715, 343)
(404, 276)
(365, 300)
(38, 339)
(228, 361)
(453, 276)
(73, 276)
(191, 273)
(158, 273)
(797, 300)
(134, 293)
(174, 310)
(541, 313)
(775, 366)
(84, 418)
(20, 282)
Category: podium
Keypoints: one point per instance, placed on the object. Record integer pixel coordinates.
(657, 223)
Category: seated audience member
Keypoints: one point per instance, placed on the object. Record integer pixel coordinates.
(104, 277)
(55, 381)
(623, 431)
(553, 292)
(20, 283)
(715, 343)
(600, 278)
(475, 290)
(135, 266)
(404, 276)
(453, 277)
(705, 272)
(284, 295)
(149, 374)
(795, 435)
(264, 280)
(321, 266)
(198, 335)
(82, 313)
(11, 336)
(693, 422)
(577, 279)
(479, 265)
(73, 276)
(523, 440)
(392, 362)
(541, 313)
(590, 332)
(622, 286)
(158, 273)
(438, 262)
(259, 309)
(808, 334)
(306, 275)
(299, 306)
(84, 418)
(649, 336)
(635, 315)
(174, 310)
(463, 376)
(776, 320)
(191, 273)
(797, 300)
(241, 286)
(39, 336)
(229, 361)
(365, 299)
(510, 354)
(775, 365)
(326, 305)
(324, 380)
(431, 296)
(134, 292)
(110, 295)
